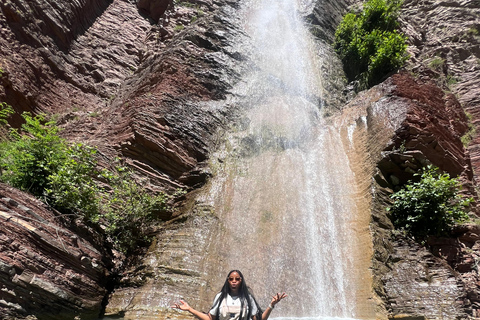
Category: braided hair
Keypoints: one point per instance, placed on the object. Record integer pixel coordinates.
(246, 298)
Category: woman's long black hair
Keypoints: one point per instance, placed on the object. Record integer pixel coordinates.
(243, 293)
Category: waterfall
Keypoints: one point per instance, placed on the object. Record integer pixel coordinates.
(284, 189)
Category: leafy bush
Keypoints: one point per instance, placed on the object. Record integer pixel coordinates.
(129, 209)
(5, 112)
(430, 206)
(66, 176)
(27, 160)
(368, 43)
(72, 186)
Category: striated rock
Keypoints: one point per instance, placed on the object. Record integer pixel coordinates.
(162, 120)
(168, 272)
(324, 25)
(430, 133)
(34, 39)
(46, 269)
(444, 44)
(131, 96)
(151, 83)
(81, 67)
(402, 125)
(421, 285)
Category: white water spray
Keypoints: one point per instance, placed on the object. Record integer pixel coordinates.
(285, 190)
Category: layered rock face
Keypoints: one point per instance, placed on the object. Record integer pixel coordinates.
(424, 125)
(444, 47)
(132, 87)
(410, 124)
(444, 44)
(151, 82)
(46, 269)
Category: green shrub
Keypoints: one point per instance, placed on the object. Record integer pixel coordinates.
(66, 176)
(368, 43)
(27, 160)
(72, 186)
(129, 210)
(5, 112)
(430, 206)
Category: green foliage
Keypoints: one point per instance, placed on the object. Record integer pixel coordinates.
(368, 43)
(72, 186)
(37, 160)
(5, 111)
(128, 209)
(27, 160)
(436, 63)
(430, 206)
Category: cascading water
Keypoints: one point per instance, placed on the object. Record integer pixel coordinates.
(284, 189)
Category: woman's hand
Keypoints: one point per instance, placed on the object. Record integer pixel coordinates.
(186, 307)
(182, 306)
(276, 298)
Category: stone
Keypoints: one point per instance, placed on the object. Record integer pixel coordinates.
(403, 114)
(154, 8)
(40, 270)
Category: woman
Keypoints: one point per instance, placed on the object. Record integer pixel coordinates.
(233, 302)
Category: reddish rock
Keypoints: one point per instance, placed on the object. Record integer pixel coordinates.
(156, 94)
(46, 269)
(410, 123)
(443, 38)
(109, 74)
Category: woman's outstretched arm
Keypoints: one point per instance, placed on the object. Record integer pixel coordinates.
(275, 299)
(186, 307)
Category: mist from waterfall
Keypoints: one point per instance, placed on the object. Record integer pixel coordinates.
(284, 189)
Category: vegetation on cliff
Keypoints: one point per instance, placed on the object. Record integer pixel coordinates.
(429, 206)
(369, 44)
(36, 159)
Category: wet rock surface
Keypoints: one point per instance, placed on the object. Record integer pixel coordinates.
(404, 124)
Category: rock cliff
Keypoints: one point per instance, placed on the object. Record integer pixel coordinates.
(130, 78)
(444, 44)
(47, 268)
(151, 81)
(409, 124)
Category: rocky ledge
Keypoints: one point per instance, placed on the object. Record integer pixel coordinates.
(409, 124)
(47, 269)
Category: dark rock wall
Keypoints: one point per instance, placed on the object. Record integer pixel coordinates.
(133, 88)
(46, 269)
(165, 118)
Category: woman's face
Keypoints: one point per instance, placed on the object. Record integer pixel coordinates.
(234, 281)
